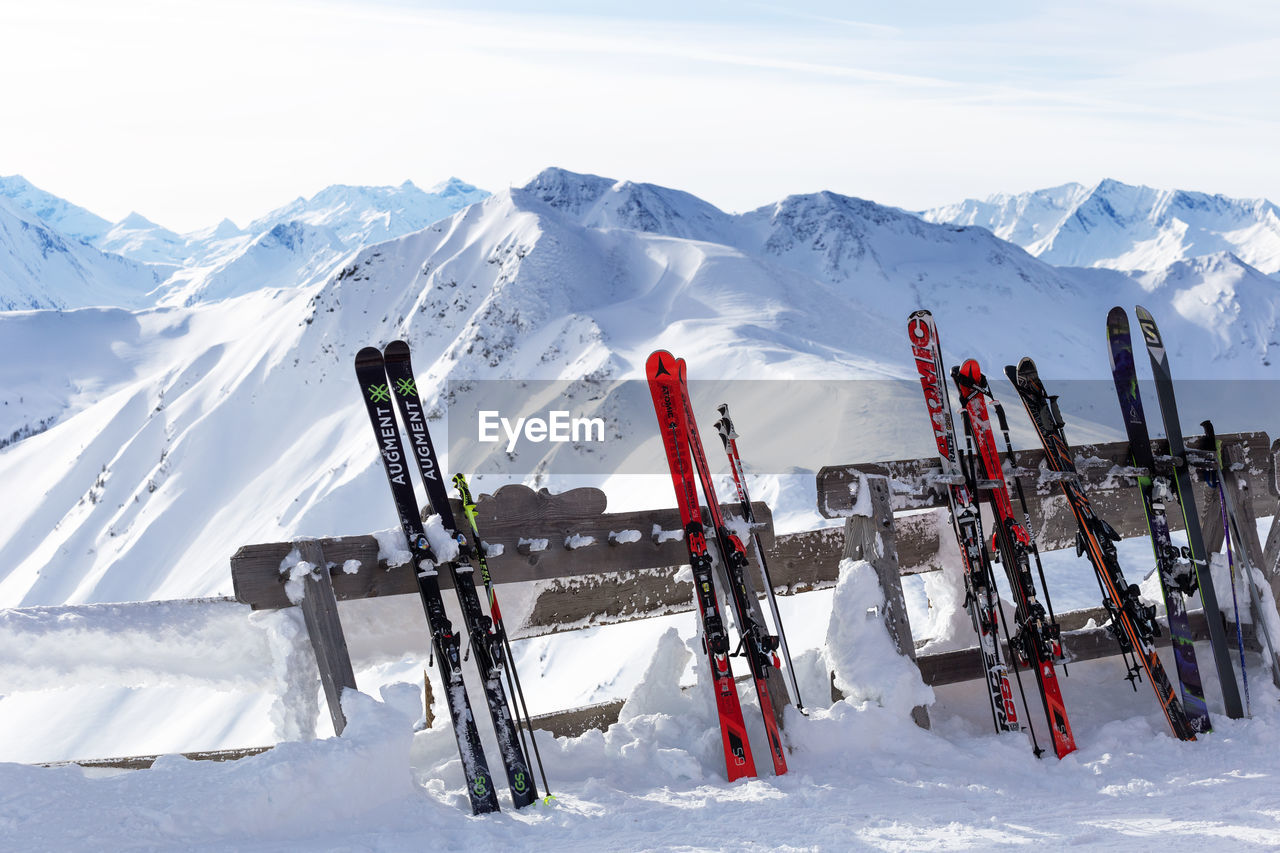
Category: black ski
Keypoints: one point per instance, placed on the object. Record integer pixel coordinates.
(447, 646)
(1186, 499)
(1132, 622)
(486, 641)
(1176, 577)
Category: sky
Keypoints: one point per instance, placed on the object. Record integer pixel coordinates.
(188, 112)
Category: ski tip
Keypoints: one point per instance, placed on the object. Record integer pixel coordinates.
(1117, 318)
(396, 350)
(1011, 373)
(1143, 314)
(920, 314)
(368, 356)
(660, 363)
(972, 372)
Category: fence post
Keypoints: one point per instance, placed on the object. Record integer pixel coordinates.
(1237, 489)
(320, 612)
(871, 538)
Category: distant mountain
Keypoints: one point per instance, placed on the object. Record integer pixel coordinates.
(290, 246)
(1126, 227)
(362, 216)
(290, 254)
(69, 219)
(42, 268)
(140, 239)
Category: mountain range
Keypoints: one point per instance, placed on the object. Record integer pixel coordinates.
(205, 400)
(1125, 227)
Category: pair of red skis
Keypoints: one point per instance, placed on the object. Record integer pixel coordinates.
(688, 463)
(1036, 642)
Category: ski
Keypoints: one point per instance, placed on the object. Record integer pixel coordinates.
(1037, 641)
(729, 437)
(1186, 499)
(1176, 578)
(447, 646)
(486, 642)
(668, 403)
(979, 586)
(1132, 622)
(756, 644)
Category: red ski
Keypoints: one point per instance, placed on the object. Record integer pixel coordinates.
(668, 402)
(1038, 639)
(758, 645)
(979, 584)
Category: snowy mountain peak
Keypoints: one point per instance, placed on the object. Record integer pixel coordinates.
(570, 192)
(224, 229)
(1125, 226)
(70, 219)
(136, 220)
(361, 215)
(597, 202)
(40, 268)
(450, 187)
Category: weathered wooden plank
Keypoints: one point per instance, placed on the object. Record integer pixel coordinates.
(1101, 467)
(871, 538)
(514, 515)
(798, 562)
(144, 762)
(324, 630)
(574, 722)
(1080, 645)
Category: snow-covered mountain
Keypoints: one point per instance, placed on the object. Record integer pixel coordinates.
(294, 244)
(42, 268)
(184, 431)
(60, 214)
(140, 239)
(1125, 227)
(361, 216)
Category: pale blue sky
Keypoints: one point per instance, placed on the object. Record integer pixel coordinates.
(190, 111)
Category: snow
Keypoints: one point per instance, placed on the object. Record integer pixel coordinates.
(660, 535)
(624, 537)
(865, 665)
(861, 774)
(576, 540)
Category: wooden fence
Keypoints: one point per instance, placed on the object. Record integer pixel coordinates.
(589, 572)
